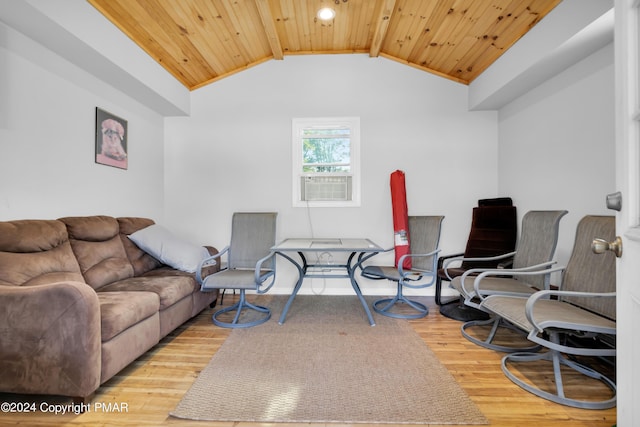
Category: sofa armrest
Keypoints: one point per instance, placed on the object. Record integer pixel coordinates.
(50, 339)
(214, 268)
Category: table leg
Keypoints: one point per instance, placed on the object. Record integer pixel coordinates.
(356, 287)
(351, 271)
(301, 274)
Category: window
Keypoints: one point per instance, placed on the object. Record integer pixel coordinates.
(326, 162)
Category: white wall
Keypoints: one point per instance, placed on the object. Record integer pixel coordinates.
(47, 128)
(556, 145)
(573, 30)
(234, 152)
(78, 32)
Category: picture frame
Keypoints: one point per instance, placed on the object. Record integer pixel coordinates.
(111, 140)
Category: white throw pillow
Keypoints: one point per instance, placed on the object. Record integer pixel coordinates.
(164, 246)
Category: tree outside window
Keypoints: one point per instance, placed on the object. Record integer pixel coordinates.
(326, 150)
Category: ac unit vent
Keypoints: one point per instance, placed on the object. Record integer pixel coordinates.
(325, 188)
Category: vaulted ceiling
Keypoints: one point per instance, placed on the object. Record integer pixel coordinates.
(202, 41)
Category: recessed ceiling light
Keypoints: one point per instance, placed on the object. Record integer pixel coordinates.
(326, 13)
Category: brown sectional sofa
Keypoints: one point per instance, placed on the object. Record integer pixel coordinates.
(79, 301)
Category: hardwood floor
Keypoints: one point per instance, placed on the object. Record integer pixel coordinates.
(144, 393)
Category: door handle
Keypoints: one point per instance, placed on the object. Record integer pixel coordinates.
(600, 246)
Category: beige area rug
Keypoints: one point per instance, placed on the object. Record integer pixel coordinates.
(326, 364)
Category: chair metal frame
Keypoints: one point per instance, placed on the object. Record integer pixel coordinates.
(548, 335)
(243, 274)
(412, 278)
(582, 307)
(532, 269)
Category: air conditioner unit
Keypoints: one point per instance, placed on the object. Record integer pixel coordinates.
(325, 188)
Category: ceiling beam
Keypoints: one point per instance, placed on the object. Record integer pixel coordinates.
(270, 28)
(381, 28)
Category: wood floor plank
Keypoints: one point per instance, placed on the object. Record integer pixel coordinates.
(147, 390)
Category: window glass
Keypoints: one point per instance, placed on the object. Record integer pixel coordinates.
(326, 150)
(326, 161)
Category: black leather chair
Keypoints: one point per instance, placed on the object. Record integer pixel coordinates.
(491, 243)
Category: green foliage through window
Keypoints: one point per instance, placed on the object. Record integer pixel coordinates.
(326, 150)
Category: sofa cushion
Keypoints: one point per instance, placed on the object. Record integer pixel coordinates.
(169, 249)
(141, 261)
(121, 310)
(34, 252)
(97, 246)
(170, 288)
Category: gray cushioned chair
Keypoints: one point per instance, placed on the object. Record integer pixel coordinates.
(424, 237)
(530, 271)
(584, 307)
(250, 266)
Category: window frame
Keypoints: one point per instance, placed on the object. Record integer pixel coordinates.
(297, 127)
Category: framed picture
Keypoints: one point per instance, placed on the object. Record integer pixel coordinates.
(111, 140)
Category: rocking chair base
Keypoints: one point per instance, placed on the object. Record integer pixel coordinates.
(238, 307)
(557, 359)
(388, 304)
(488, 342)
(456, 310)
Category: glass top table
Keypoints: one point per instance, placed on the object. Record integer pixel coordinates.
(359, 250)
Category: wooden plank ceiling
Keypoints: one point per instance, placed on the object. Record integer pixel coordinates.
(201, 41)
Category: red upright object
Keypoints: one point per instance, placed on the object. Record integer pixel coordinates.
(400, 217)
